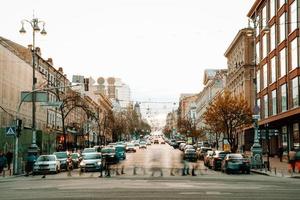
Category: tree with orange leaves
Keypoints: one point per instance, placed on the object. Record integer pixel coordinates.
(226, 114)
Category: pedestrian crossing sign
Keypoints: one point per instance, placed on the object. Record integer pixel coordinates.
(10, 131)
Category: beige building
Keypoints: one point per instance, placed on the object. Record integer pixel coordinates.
(240, 76)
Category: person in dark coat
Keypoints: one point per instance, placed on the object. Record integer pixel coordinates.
(3, 161)
(9, 157)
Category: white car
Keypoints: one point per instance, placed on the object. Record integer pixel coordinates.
(46, 164)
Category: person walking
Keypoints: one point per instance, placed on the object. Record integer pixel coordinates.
(3, 162)
(9, 157)
(292, 159)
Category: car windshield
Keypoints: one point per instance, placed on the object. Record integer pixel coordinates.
(120, 148)
(142, 142)
(46, 158)
(91, 156)
(88, 150)
(190, 151)
(61, 154)
(235, 156)
(107, 150)
(222, 154)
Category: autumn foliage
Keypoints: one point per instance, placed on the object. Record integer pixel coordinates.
(227, 114)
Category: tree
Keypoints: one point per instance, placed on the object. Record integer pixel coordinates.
(188, 128)
(226, 114)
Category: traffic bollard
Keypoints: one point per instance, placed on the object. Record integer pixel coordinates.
(134, 171)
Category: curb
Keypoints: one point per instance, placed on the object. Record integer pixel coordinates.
(259, 172)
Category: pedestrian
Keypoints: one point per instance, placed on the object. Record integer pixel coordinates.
(280, 153)
(9, 157)
(3, 162)
(292, 159)
(31, 158)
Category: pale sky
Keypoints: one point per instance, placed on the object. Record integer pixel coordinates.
(160, 48)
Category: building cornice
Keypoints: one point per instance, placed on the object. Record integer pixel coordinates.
(255, 6)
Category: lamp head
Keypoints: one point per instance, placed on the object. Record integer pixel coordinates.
(22, 30)
(36, 27)
(43, 32)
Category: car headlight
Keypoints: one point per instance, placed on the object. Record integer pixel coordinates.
(99, 163)
(82, 164)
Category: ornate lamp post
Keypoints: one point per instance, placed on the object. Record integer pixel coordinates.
(256, 147)
(34, 23)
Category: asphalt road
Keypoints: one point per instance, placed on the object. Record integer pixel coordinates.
(206, 185)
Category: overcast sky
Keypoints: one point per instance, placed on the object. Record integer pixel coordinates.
(160, 48)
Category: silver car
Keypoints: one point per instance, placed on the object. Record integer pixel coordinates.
(46, 164)
(91, 162)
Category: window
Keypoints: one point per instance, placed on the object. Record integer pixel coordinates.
(258, 105)
(265, 46)
(274, 102)
(257, 53)
(295, 92)
(294, 53)
(265, 75)
(264, 17)
(281, 28)
(258, 28)
(282, 62)
(296, 136)
(273, 70)
(293, 18)
(283, 98)
(258, 80)
(272, 8)
(281, 2)
(272, 37)
(266, 108)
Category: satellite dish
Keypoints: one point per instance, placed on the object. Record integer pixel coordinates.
(111, 80)
(100, 80)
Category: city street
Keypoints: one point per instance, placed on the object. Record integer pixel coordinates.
(207, 183)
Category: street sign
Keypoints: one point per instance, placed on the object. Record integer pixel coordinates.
(39, 96)
(10, 130)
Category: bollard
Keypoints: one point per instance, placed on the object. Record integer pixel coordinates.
(3, 173)
(183, 172)
(134, 171)
(80, 171)
(275, 171)
(122, 170)
(193, 172)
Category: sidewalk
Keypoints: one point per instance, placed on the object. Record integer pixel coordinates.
(277, 169)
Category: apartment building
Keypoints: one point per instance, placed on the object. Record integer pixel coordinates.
(277, 70)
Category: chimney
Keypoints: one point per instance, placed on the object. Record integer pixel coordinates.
(60, 69)
(50, 61)
(38, 51)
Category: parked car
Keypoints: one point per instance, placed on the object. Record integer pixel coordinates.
(75, 159)
(202, 151)
(190, 155)
(188, 146)
(143, 145)
(235, 162)
(120, 152)
(162, 142)
(91, 162)
(207, 158)
(62, 156)
(182, 145)
(130, 148)
(109, 154)
(46, 164)
(156, 141)
(216, 159)
(148, 143)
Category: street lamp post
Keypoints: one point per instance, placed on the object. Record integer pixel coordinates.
(256, 147)
(34, 23)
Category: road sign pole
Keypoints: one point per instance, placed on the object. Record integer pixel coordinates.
(16, 155)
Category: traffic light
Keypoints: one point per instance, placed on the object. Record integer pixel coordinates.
(18, 127)
(86, 84)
